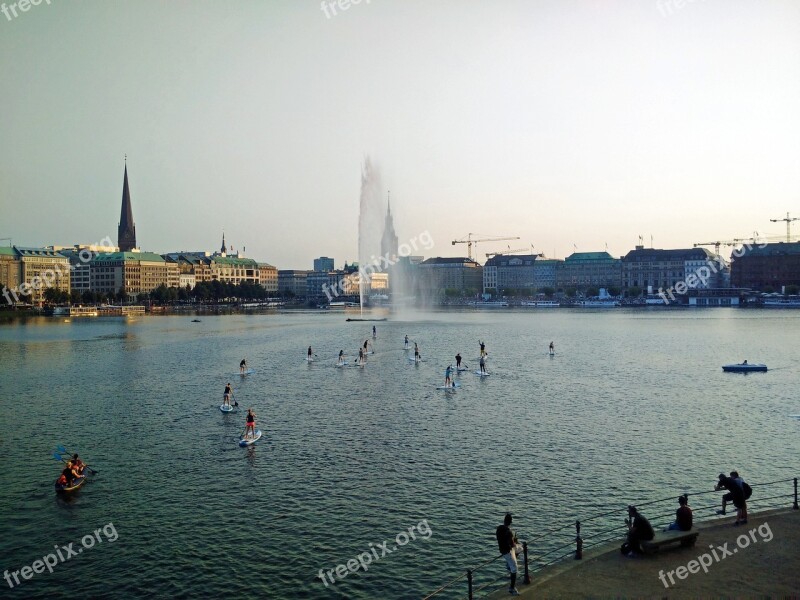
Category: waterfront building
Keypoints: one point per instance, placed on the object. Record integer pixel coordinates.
(126, 231)
(651, 269)
(544, 273)
(10, 268)
(319, 281)
(293, 281)
(509, 272)
(450, 276)
(80, 257)
(766, 267)
(40, 269)
(323, 263)
(132, 272)
(187, 280)
(582, 270)
(268, 277)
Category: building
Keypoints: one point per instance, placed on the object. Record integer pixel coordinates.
(40, 269)
(80, 257)
(10, 268)
(582, 270)
(126, 231)
(132, 272)
(323, 263)
(509, 272)
(389, 246)
(651, 269)
(544, 273)
(293, 282)
(317, 282)
(268, 277)
(766, 267)
(450, 276)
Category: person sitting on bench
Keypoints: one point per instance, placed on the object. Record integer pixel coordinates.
(683, 516)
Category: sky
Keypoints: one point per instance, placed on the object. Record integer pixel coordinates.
(571, 124)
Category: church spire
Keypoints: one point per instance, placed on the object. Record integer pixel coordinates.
(222, 249)
(126, 232)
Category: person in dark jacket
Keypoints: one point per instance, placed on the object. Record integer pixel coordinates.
(639, 530)
(735, 494)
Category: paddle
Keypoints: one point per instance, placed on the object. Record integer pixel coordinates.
(62, 449)
(57, 456)
(235, 403)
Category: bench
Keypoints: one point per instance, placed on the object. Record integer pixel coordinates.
(663, 538)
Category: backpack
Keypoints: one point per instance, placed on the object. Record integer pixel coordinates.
(748, 491)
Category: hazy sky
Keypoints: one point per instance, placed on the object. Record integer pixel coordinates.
(563, 122)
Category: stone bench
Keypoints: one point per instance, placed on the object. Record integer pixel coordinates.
(664, 538)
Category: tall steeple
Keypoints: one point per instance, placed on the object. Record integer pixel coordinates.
(389, 240)
(126, 233)
(222, 249)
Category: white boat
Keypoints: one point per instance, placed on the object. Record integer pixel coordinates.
(541, 304)
(490, 304)
(598, 303)
(75, 311)
(782, 303)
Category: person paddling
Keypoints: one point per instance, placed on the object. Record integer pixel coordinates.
(458, 360)
(243, 365)
(448, 379)
(361, 357)
(77, 465)
(251, 423)
(483, 348)
(406, 343)
(341, 357)
(226, 395)
(482, 363)
(417, 357)
(552, 348)
(310, 354)
(374, 332)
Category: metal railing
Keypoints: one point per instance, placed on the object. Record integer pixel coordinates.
(603, 530)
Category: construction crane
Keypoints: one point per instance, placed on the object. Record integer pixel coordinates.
(788, 225)
(469, 241)
(732, 242)
(509, 251)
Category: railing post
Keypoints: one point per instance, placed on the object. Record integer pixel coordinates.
(469, 583)
(527, 578)
(795, 495)
(578, 541)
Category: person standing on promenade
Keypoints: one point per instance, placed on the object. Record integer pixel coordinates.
(683, 516)
(735, 494)
(507, 542)
(639, 530)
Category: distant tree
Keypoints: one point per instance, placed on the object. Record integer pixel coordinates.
(571, 292)
(634, 291)
(452, 292)
(547, 291)
(51, 295)
(614, 290)
(768, 289)
(592, 291)
(792, 290)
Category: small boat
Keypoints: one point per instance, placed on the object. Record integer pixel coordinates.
(744, 368)
(195, 320)
(76, 483)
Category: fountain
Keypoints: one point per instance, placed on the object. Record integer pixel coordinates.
(370, 227)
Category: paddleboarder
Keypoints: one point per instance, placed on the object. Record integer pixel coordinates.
(417, 357)
(251, 423)
(374, 332)
(552, 348)
(243, 365)
(482, 363)
(341, 357)
(448, 379)
(406, 343)
(226, 395)
(483, 348)
(310, 354)
(458, 360)
(361, 356)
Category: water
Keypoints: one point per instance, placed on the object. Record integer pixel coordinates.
(634, 406)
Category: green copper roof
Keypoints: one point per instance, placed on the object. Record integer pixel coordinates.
(132, 256)
(576, 256)
(7, 251)
(235, 262)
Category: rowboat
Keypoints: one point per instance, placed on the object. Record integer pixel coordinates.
(744, 368)
(76, 483)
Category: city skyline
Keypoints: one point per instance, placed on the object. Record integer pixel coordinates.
(530, 121)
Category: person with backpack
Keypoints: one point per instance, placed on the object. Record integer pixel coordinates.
(746, 490)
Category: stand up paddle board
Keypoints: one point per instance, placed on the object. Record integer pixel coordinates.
(246, 372)
(448, 387)
(250, 441)
(226, 407)
(479, 374)
(412, 359)
(462, 369)
(309, 359)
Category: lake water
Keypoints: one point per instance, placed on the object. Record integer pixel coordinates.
(633, 406)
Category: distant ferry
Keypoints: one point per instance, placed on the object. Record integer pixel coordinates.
(598, 303)
(542, 304)
(75, 311)
(490, 304)
(342, 305)
(782, 303)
